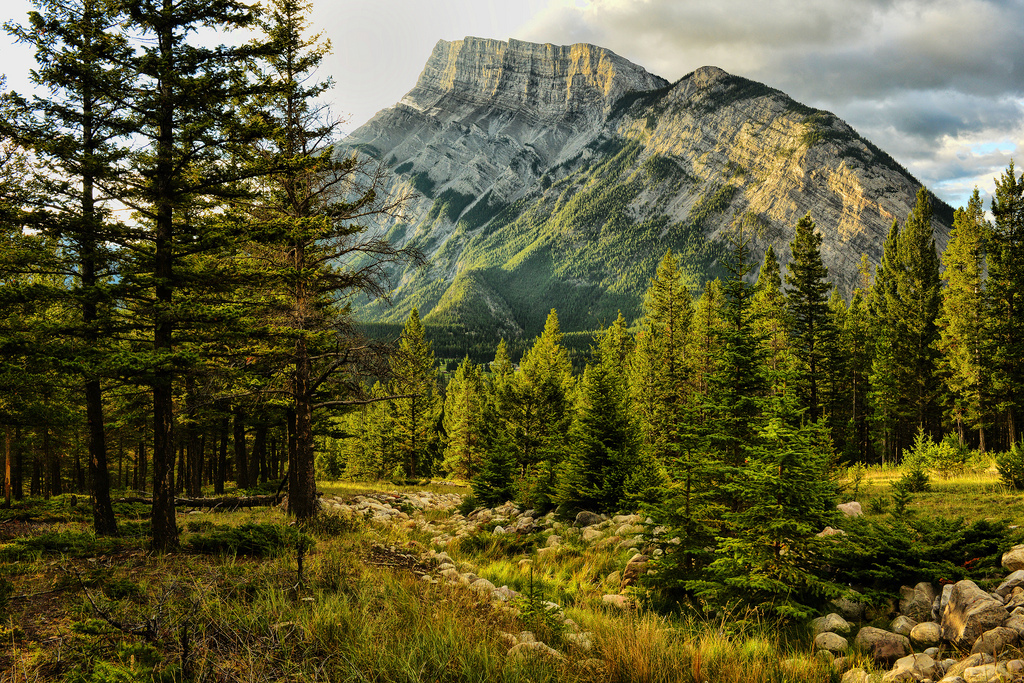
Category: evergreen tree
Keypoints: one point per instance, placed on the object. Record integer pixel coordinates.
(859, 355)
(963, 363)
(77, 136)
(807, 296)
(772, 323)
(495, 483)
(1006, 292)
(463, 421)
(603, 438)
(417, 411)
(541, 413)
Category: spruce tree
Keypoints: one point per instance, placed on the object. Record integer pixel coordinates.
(418, 408)
(807, 295)
(964, 364)
(1006, 291)
(772, 322)
(463, 421)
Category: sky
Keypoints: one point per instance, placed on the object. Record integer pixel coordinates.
(939, 84)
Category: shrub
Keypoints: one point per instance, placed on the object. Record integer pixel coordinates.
(915, 460)
(260, 540)
(1011, 466)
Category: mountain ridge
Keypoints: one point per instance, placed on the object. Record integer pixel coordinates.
(557, 176)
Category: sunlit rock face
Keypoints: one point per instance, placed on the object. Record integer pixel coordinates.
(549, 172)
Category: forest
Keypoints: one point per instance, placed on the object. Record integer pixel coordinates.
(180, 244)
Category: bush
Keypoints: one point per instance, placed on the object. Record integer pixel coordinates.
(260, 540)
(1011, 466)
(915, 460)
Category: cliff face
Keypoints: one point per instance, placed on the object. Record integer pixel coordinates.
(557, 176)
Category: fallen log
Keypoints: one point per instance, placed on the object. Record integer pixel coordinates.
(228, 502)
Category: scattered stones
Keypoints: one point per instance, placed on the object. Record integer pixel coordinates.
(913, 668)
(1014, 580)
(524, 651)
(582, 641)
(585, 519)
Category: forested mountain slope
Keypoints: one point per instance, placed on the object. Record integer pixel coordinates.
(558, 176)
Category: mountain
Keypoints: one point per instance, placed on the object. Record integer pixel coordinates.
(558, 176)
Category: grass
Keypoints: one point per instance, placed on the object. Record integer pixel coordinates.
(88, 609)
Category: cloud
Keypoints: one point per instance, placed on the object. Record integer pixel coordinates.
(926, 80)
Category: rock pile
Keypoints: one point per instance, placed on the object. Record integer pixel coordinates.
(961, 634)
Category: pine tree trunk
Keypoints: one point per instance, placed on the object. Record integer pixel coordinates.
(222, 459)
(241, 464)
(302, 496)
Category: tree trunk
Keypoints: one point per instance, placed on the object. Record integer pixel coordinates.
(241, 464)
(7, 467)
(258, 468)
(222, 460)
(302, 484)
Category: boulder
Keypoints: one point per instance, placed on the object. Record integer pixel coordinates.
(523, 525)
(913, 668)
(970, 613)
(829, 531)
(635, 568)
(831, 642)
(851, 509)
(620, 601)
(1016, 622)
(831, 623)
(958, 668)
(926, 634)
(1012, 581)
(916, 602)
(882, 646)
(902, 625)
(587, 519)
(849, 609)
(581, 641)
(855, 676)
(995, 641)
(591, 534)
(1013, 559)
(553, 540)
(534, 650)
(483, 586)
(986, 673)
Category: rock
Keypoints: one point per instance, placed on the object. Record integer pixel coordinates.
(913, 668)
(553, 540)
(483, 586)
(1016, 622)
(1015, 667)
(628, 530)
(526, 637)
(947, 591)
(582, 641)
(1013, 559)
(544, 552)
(886, 610)
(986, 673)
(1012, 581)
(882, 646)
(613, 580)
(452, 574)
(849, 609)
(932, 652)
(505, 594)
(584, 519)
(855, 676)
(851, 509)
(831, 642)
(620, 601)
(524, 651)
(995, 641)
(829, 531)
(498, 530)
(590, 534)
(523, 525)
(832, 623)
(970, 612)
(926, 634)
(902, 625)
(916, 602)
(635, 568)
(958, 668)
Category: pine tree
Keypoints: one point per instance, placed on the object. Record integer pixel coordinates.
(964, 363)
(807, 295)
(1006, 291)
(858, 338)
(414, 378)
(772, 322)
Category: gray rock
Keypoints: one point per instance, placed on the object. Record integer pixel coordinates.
(524, 651)
(995, 641)
(855, 676)
(913, 668)
(581, 641)
(916, 602)
(882, 646)
(932, 652)
(1016, 622)
(498, 530)
(947, 591)
(620, 601)
(851, 509)
(970, 612)
(553, 540)
(1010, 582)
(833, 623)
(902, 625)
(585, 518)
(831, 642)
(483, 586)
(849, 609)
(974, 660)
(590, 534)
(986, 673)
(926, 634)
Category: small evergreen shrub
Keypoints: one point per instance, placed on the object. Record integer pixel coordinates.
(1011, 466)
(915, 461)
(259, 540)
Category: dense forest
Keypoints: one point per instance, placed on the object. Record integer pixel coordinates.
(180, 244)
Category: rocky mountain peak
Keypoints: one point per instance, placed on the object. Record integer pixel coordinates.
(546, 81)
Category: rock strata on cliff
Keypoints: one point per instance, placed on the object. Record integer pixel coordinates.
(559, 175)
